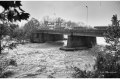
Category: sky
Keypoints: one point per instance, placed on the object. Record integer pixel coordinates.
(97, 13)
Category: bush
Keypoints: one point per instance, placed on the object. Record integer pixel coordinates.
(4, 63)
(6, 74)
(81, 73)
(108, 66)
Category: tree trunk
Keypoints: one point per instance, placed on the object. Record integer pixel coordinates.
(0, 44)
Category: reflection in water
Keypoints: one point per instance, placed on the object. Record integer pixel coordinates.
(100, 40)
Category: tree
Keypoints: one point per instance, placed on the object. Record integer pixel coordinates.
(71, 24)
(19, 35)
(59, 22)
(10, 15)
(10, 29)
(108, 64)
(112, 34)
(30, 27)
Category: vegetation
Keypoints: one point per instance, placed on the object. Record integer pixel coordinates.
(19, 35)
(12, 12)
(30, 27)
(60, 22)
(107, 64)
(10, 15)
(4, 63)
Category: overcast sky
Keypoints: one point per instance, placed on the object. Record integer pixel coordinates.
(99, 12)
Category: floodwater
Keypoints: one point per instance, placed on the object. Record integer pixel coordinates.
(45, 60)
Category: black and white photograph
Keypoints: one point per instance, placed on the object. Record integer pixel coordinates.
(59, 39)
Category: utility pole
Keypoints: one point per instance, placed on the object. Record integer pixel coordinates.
(87, 14)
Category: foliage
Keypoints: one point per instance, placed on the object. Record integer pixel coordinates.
(112, 34)
(19, 35)
(30, 27)
(107, 66)
(12, 13)
(7, 33)
(4, 63)
(71, 24)
(6, 43)
(82, 73)
(107, 63)
(7, 29)
(6, 74)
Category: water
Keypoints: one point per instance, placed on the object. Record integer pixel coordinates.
(39, 60)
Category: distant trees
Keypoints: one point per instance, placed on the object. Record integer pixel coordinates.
(58, 21)
(72, 24)
(30, 27)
